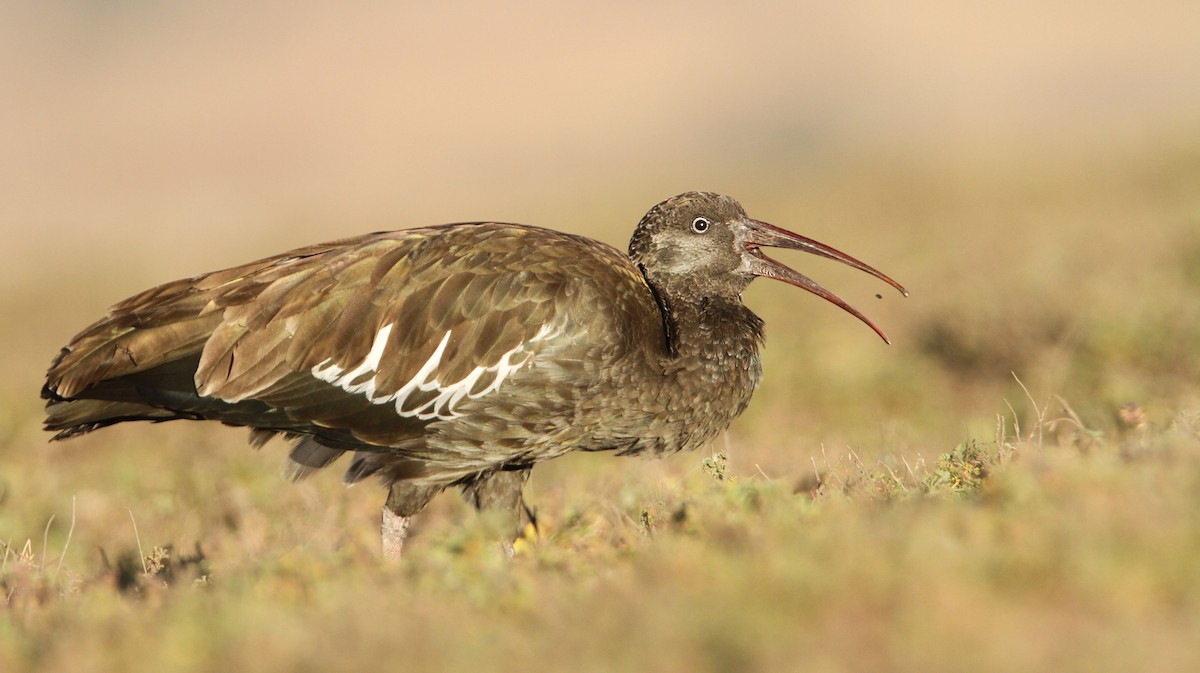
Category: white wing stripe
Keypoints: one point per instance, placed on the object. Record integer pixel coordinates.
(333, 373)
(449, 395)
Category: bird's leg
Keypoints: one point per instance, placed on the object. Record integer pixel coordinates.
(403, 503)
(502, 491)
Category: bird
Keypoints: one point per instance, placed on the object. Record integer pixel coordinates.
(458, 355)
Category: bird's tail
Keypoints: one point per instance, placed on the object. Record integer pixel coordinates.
(69, 418)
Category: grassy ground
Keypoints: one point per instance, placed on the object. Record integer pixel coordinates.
(1013, 486)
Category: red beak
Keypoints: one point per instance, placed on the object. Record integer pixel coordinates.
(759, 234)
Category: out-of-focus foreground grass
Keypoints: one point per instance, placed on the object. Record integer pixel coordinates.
(1014, 485)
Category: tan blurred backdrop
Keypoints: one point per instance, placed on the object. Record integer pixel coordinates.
(186, 127)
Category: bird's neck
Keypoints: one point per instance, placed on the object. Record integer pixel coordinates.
(696, 322)
(694, 325)
(707, 328)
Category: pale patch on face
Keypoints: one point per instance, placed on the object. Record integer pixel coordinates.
(678, 253)
(362, 379)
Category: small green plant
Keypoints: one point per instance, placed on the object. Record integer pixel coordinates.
(715, 465)
(963, 470)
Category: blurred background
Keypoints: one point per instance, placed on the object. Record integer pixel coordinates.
(1029, 170)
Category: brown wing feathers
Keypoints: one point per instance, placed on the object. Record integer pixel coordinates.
(256, 333)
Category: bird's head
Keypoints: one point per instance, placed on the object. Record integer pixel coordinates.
(703, 244)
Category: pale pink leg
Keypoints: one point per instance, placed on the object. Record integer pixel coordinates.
(394, 531)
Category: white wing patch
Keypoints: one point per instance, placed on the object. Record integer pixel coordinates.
(363, 377)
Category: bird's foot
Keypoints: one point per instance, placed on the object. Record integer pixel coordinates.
(527, 538)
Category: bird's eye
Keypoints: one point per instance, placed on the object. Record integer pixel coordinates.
(700, 225)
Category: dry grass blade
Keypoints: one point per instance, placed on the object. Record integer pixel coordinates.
(67, 543)
(138, 537)
(45, 543)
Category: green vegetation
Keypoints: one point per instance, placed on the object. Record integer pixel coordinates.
(1013, 486)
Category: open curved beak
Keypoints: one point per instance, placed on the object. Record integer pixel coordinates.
(760, 234)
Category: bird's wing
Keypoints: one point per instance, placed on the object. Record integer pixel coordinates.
(376, 335)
